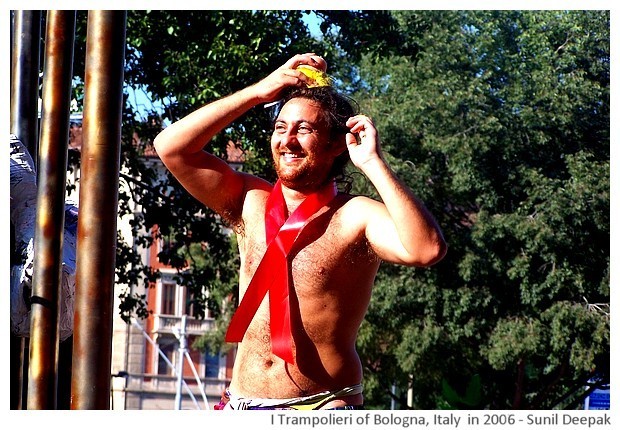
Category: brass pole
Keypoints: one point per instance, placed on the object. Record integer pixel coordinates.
(25, 41)
(26, 37)
(53, 146)
(96, 246)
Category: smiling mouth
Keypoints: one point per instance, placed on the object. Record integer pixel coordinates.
(290, 157)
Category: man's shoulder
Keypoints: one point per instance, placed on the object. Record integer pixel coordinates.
(253, 183)
(356, 209)
(256, 191)
(357, 202)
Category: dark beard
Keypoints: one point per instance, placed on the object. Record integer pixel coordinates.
(303, 179)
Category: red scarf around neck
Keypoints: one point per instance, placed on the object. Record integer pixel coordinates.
(272, 273)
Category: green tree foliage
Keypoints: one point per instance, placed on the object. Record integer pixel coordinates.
(499, 121)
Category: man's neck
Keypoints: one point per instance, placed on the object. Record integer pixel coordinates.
(295, 196)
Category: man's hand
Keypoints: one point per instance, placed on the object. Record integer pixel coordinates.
(362, 140)
(268, 89)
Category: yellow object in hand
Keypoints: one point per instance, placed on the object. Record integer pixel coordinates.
(317, 77)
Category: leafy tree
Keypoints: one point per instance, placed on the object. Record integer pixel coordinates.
(499, 120)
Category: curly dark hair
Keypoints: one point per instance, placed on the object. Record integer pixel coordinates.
(337, 109)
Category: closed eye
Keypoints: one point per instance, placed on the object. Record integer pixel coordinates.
(280, 128)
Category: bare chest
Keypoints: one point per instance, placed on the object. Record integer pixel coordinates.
(326, 252)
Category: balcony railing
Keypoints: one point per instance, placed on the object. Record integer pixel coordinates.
(193, 326)
(150, 392)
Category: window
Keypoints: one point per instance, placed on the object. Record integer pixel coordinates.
(190, 306)
(168, 298)
(212, 365)
(168, 347)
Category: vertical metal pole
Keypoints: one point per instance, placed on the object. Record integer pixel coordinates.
(181, 356)
(26, 38)
(44, 337)
(25, 41)
(96, 246)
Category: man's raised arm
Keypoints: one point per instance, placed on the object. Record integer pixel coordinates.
(401, 230)
(181, 145)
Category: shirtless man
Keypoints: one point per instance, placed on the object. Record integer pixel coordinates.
(332, 263)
